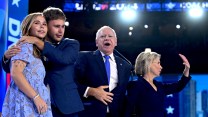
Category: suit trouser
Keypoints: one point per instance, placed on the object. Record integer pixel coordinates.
(57, 113)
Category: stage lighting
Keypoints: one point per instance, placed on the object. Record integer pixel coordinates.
(130, 33)
(147, 50)
(131, 28)
(178, 26)
(66, 23)
(128, 15)
(196, 12)
(146, 26)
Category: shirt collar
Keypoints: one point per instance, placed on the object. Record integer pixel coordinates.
(111, 56)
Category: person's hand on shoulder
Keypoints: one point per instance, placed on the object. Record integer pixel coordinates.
(32, 40)
(13, 50)
(27, 39)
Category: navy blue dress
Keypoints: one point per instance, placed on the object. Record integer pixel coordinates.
(144, 101)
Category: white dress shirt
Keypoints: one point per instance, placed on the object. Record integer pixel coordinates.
(113, 73)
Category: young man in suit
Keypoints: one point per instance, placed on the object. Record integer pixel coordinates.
(102, 97)
(59, 55)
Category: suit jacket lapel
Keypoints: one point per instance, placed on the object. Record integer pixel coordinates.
(119, 64)
(101, 65)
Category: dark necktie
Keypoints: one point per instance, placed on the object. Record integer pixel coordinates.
(107, 67)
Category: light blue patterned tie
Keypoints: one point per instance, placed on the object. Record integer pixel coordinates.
(107, 67)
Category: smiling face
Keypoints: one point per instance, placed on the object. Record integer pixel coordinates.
(38, 27)
(34, 24)
(106, 40)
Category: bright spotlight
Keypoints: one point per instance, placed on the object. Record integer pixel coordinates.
(130, 33)
(178, 26)
(131, 28)
(66, 23)
(145, 26)
(196, 12)
(128, 15)
(147, 50)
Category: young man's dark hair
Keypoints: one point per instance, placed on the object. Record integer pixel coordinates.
(53, 13)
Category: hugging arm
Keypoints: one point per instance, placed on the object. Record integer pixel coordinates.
(8, 55)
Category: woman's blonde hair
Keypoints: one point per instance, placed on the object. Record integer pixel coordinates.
(25, 29)
(143, 61)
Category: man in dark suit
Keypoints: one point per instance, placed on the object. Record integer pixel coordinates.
(102, 97)
(59, 56)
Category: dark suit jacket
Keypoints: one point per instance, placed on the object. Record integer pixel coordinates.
(59, 63)
(90, 72)
(5, 65)
(144, 101)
